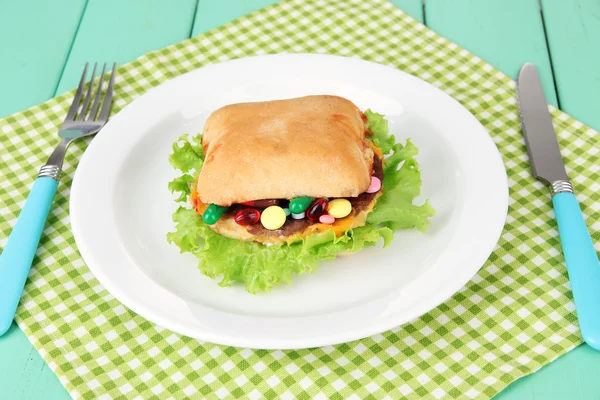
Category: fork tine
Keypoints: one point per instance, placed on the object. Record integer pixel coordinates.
(109, 93)
(88, 95)
(77, 98)
(96, 103)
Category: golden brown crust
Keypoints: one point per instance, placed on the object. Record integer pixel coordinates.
(308, 146)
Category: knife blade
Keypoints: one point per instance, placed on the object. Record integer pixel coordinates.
(542, 146)
(547, 165)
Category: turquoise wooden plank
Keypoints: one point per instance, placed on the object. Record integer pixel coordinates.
(573, 31)
(23, 373)
(572, 376)
(505, 33)
(32, 62)
(414, 8)
(120, 31)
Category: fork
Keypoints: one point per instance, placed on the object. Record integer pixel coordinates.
(17, 256)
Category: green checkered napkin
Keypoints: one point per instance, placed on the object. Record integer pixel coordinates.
(514, 316)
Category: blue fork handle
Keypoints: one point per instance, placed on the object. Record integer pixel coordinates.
(582, 265)
(16, 258)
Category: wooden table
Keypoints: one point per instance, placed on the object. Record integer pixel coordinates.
(43, 46)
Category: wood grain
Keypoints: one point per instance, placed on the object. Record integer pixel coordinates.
(505, 33)
(573, 376)
(33, 60)
(23, 373)
(573, 30)
(120, 31)
(414, 8)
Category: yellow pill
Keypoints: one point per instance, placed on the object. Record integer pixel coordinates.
(339, 208)
(273, 218)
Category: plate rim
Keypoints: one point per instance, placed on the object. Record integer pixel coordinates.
(271, 343)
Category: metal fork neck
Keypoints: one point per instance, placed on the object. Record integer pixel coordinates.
(53, 167)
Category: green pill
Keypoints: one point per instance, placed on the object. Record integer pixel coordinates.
(300, 204)
(212, 213)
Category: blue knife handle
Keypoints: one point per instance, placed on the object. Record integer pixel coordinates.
(582, 265)
(16, 258)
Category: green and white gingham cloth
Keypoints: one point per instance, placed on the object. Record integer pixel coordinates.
(514, 316)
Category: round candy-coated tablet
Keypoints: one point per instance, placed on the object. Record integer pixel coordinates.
(375, 185)
(286, 211)
(261, 203)
(300, 204)
(247, 216)
(339, 208)
(298, 216)
(316, 209)
(212, 213)
(273, 218)
(326, 219)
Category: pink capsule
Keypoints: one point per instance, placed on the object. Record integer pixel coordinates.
(326, 219)
(375, 185)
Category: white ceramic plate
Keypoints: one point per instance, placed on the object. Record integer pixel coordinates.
(121, 209)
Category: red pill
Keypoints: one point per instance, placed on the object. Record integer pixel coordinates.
(316, 209)
(247, 216)
(261, 203)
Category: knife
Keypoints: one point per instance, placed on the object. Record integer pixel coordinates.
(547, 165)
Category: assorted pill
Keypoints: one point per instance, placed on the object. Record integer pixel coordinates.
(326, 219)
(375, 185)
(212, 213)
(298, 216)
(300, 204)
(247, 216)
(339, 208)
(273, 217)
(316, 209)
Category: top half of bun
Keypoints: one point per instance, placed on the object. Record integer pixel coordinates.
(308, 146)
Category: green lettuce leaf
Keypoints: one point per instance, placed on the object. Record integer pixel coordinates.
(261, 267)
(182, 186)
(188, 155)
(379, 127)
(395, 208)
